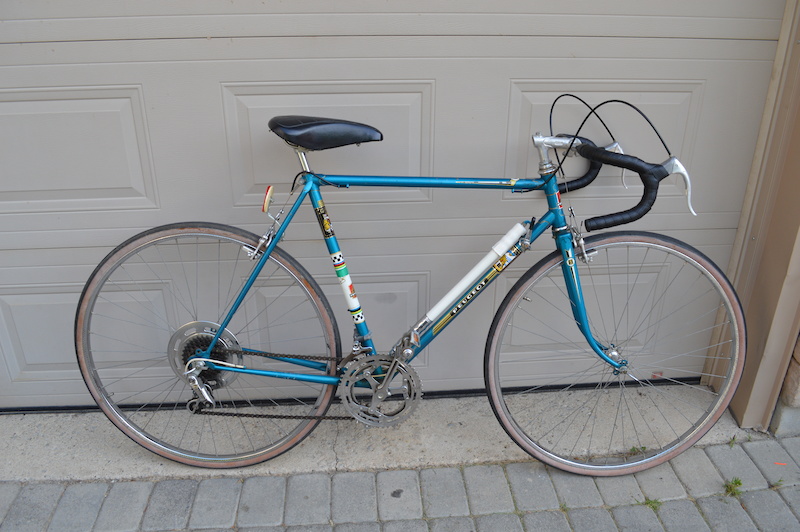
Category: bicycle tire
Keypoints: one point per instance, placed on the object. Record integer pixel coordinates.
(664, 307)
(157, 297)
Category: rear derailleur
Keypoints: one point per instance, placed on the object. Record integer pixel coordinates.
(201, 391)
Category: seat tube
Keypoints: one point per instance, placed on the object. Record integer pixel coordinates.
(340, 267)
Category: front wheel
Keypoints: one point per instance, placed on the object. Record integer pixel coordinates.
(652, 301)
(158, 299)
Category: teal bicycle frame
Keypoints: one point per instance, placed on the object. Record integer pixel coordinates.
(511, 246)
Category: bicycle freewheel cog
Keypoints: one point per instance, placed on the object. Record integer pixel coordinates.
(195, 335)
(372, 399)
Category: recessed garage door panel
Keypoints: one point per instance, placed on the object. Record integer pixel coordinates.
(112, 121)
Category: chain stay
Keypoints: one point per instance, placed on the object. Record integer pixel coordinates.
(273, 416)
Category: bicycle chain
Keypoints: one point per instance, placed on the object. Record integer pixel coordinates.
(264, 354)
(275, 416)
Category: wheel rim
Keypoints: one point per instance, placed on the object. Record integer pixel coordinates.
(145, 309)
(562, 404)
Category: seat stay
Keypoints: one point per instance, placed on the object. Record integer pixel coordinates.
(262, 261)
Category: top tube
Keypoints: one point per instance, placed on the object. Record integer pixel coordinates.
(516, 185)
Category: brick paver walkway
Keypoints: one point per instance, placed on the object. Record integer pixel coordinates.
(686, 494)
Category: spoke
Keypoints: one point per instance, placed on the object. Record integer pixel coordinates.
(176, 295)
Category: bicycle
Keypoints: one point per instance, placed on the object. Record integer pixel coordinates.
(211, 346)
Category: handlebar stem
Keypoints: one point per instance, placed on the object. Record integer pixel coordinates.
(544, 144)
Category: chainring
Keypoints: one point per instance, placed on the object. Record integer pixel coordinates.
(368, 401)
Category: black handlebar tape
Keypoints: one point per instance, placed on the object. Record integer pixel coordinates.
(624, 217)
(650, 174)
(587, 178)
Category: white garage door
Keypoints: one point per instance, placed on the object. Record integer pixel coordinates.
(118, 116)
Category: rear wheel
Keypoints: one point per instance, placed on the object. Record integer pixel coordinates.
(657, 303)
(158, 298)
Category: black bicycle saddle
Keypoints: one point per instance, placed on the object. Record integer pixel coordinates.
(313, 133)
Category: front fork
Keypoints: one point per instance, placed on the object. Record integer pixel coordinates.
(566, 244)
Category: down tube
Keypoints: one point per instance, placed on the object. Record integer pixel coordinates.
(484, 273)
(468, 297)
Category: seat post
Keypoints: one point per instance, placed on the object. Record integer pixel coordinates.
(301, 154)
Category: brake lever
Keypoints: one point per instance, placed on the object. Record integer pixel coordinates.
(674, 166)
(616, 148)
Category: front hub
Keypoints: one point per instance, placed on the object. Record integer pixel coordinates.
(616, 356)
